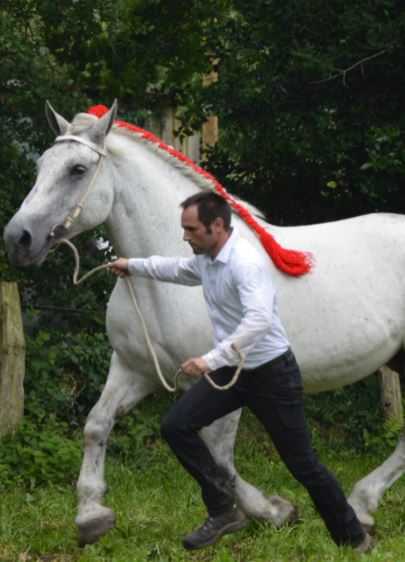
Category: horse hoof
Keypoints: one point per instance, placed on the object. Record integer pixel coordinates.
(91, 528)
(294, 517)
(284, 512)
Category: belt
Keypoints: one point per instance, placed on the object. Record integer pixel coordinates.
(281, 359)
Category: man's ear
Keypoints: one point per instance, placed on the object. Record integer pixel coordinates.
(217, 225)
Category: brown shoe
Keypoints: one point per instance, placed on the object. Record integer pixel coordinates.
(214, 528)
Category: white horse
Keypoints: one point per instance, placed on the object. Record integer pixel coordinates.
(345, 319)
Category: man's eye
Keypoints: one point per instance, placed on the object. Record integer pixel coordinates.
(78, 170)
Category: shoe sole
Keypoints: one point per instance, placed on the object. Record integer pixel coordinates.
(231, 528)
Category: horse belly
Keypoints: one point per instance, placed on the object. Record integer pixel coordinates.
(347, 318)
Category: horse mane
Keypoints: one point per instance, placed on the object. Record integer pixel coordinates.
(292, 262)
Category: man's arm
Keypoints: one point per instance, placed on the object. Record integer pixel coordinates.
(183, 271)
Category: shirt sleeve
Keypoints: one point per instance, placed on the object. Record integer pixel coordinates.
(256, 293)
(183, 271)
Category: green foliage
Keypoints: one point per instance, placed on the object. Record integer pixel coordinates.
(350, 419)
(137, 439)
(64, 375)
(39, 455)
(388, 436)
(288, 127)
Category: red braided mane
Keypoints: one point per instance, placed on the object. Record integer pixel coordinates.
(292, 262)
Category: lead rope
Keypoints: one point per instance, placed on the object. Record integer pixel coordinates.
(179, 372)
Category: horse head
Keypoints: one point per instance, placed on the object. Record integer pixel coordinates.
(63, 202)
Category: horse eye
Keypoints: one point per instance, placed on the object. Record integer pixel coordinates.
(78, 170)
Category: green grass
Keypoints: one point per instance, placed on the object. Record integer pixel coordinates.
(157, 503)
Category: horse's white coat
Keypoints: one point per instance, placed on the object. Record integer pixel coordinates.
(344, 320)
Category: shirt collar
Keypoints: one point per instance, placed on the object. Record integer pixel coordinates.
(226, 249)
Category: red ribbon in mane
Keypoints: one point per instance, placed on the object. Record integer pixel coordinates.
(292, 262)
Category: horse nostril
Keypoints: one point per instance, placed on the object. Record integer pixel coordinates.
(25, 239)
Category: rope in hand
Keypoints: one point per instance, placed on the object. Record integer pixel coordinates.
(77, 280)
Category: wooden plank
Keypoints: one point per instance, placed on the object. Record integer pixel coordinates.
(12, 359)
(390, 393)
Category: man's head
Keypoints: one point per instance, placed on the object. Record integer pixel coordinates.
(206, 221)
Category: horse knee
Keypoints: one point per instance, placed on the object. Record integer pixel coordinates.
(96, 430)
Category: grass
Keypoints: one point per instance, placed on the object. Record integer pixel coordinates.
(156, 503)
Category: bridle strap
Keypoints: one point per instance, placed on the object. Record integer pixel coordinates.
(74, 215)
(86, 142)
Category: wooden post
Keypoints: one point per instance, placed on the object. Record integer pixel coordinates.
(210, 127)
(390, 392)
(210, 131)
(12, 359)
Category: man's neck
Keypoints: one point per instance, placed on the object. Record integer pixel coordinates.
(222, 240)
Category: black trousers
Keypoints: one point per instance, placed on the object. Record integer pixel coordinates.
(274, 393)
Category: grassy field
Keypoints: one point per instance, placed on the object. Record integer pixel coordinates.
(156, 503)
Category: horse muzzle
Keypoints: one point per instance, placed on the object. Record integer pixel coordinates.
(22, 248)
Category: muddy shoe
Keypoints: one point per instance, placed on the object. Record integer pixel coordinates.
(214, 528)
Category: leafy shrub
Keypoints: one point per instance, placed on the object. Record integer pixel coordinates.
(136, 439)
(350, 418)
(38, 455)
(65, 373)
(64, 376)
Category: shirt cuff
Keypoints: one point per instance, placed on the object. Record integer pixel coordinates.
(217, 358)
(136, 266)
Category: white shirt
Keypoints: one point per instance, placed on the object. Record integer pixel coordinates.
(240, 297)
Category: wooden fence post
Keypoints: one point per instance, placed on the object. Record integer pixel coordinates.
(390, 392)
(210, 129)
(12, 359)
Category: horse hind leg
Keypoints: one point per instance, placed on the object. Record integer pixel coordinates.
(122, 391)
(368, 491)
(220, 439)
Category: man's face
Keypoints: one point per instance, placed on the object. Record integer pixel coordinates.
(195, 232)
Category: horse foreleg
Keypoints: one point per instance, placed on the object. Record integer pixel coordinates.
(122, 391)
(368, 491)
(220, 439)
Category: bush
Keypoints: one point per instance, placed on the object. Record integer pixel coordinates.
(65, 374)
(39, 455)
(351, 419)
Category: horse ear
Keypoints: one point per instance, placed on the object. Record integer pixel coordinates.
(102, 126)
(58, 124)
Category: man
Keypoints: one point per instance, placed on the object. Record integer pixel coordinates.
(241, 302)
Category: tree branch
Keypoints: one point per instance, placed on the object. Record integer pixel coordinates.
(343, 73)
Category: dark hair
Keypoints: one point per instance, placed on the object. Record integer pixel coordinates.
(210, 206)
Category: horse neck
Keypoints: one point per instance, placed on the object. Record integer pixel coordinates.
(148, 189)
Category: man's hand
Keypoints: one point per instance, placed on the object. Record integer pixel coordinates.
(196, 366)
(119, 267)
